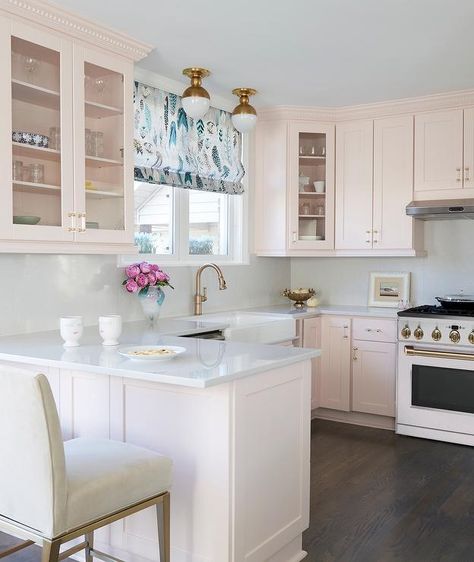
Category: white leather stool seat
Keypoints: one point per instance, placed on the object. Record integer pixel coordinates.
(106, 476)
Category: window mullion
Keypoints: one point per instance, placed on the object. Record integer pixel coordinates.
(183, 224)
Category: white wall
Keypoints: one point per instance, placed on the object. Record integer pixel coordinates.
(37, 289)
(448, 268)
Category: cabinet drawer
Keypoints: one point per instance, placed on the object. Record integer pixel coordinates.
(374, 329)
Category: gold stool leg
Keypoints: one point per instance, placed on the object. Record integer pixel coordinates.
(50, 551)
(90, 545)
(163, 519)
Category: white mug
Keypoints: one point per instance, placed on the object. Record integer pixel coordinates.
(71, 330)
(319, 186)
(110, 328)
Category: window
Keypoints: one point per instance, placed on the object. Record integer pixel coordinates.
(182, 225)
(208, 223)
(153, 218)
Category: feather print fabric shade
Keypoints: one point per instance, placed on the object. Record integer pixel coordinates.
(173, 149)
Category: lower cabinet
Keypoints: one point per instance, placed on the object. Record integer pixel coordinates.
(335, 376)
(373, 377)
(311, 337)
(357, 367)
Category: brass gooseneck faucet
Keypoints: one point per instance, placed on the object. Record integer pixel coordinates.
(199, 297)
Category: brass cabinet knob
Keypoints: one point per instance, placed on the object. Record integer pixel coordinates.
(418, 333)
(454, 336)
(436, 334)
(470, 337)
(406, 332)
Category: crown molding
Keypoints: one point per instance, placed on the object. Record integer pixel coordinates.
(54, 17)
(435, 102)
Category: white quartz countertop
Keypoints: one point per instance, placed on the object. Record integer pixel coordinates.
(341, 310)
(205, 362)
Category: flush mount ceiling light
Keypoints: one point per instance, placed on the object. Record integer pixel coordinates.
(196, 99)
(244, 115)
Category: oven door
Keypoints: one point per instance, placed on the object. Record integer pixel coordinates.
(435, 388)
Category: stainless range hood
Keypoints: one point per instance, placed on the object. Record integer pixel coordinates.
(441, 210)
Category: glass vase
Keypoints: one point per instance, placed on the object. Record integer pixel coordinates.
(151, 301)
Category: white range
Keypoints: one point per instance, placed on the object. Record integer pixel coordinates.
(435, 382)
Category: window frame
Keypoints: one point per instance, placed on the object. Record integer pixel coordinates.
(237, 232)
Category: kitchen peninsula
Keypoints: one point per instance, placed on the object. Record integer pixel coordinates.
(234, 417)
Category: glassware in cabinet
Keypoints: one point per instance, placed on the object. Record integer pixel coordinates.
(310, 227)
(103, 141)
(41, 180)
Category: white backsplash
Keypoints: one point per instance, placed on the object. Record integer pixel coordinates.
(37, 289)
(448, 268)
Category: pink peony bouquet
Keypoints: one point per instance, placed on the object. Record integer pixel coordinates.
(141, 276)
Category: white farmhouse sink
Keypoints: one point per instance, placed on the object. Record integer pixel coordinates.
(251, 326)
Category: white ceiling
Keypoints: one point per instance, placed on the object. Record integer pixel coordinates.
(304, 52)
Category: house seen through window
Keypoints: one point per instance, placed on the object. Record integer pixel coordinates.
(171, 221)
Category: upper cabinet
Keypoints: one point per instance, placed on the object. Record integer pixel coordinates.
(374, 184)
(311, 186)
(66, 143)
(392, 229)
(37, 158)
(444, 154)
(354, 149)
(104, 171)
(294, 187)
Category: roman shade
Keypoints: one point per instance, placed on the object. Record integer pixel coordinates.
(173, 149)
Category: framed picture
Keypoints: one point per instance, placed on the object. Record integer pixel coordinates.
(389, 288)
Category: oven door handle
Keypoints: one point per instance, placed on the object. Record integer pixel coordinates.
(411, 351)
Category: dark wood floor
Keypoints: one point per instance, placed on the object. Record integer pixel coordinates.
(377, 497)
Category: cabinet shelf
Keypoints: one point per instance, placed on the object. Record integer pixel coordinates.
(96, 162)
(311, 157)
(36, 95)
(312, 216)
(30, 187)
(100, 194)
(98, 110)
(311, 194)
(20, 149)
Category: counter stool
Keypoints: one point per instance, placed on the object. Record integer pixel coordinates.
(52, 492)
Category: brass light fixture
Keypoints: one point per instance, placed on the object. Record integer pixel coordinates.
(196, 99)
(244, 116)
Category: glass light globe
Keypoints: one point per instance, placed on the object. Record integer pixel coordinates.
(244, 122)
(196, 106)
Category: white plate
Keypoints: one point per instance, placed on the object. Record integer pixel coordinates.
(131, 352)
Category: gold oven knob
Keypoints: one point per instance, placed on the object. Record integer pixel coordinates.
(454, 336)
(418, 333)
(470, 337)
(406, 332)
(436, 334)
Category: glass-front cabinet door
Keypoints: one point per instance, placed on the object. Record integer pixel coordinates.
(36, 149)
(104, 160)
(311, 190)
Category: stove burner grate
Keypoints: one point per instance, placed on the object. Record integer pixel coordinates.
(433, 310)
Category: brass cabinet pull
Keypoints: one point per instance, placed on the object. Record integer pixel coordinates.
(82, 216)
(458, 174)
(467, 175)
(354, 353)
(72, 227)
(411, 351)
